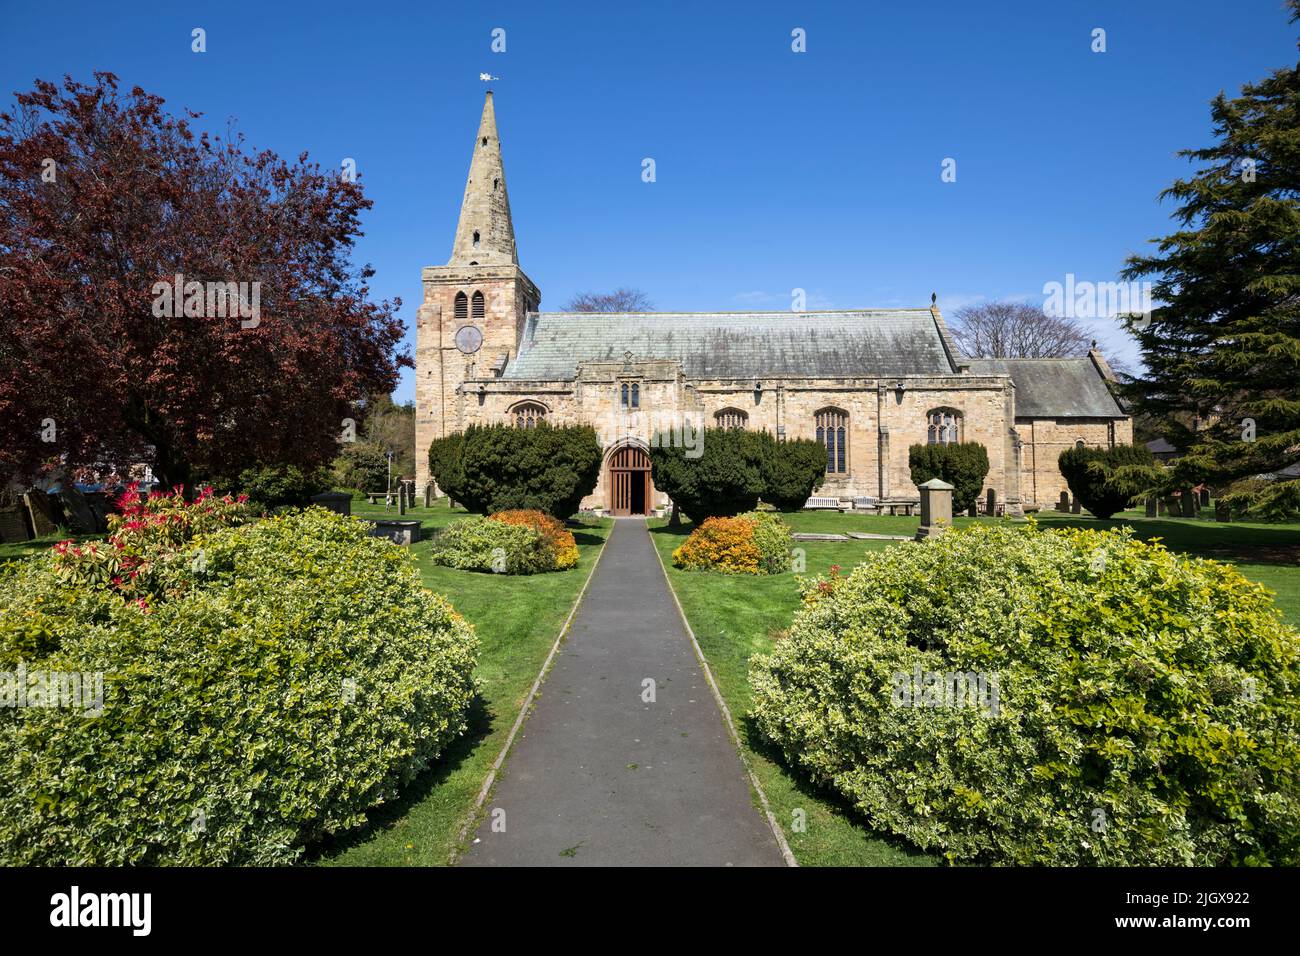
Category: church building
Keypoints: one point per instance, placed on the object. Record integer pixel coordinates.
(866, 383)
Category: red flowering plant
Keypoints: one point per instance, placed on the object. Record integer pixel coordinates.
(817, 588)
(147, 533)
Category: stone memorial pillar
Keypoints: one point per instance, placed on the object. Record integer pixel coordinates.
(401, 498)
(936, 509)
(991, 503)
(428, 494)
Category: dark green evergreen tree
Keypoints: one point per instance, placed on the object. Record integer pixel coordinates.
(1224, 345)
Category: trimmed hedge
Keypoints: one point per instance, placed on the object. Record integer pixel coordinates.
(301, 679)
(964, 465)
(491, 468)
(733, 468)
(1091, 476)
(754, 543)
(1147, 707)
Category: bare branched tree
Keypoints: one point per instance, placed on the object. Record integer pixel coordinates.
(620, 300)
(1017, 330)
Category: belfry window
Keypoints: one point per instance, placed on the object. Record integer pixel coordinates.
(833, 432)
(478, 306)
(475, 240)
(462, 307)
(943, 427)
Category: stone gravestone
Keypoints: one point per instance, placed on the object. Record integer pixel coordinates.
(40, 512)
(1064, 504)
(101, 506)
(336, 501)
(401, 498)
(80, 518)
(1189, 503)
(991, 503)
(428, 494)
(1205, 497)
(936, 509)
(1221, 512)
(1075, 507)
(1153, 508)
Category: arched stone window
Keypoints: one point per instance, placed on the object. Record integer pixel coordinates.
(629, 395)
(528, 414)
(943, 426)
(730, 418)
(462, 307)
(833, 432)
(477, 306)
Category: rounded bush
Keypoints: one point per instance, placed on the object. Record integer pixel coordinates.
(1016, 696)
(757, 542)
(300, 680)
(480, 544)
(557, 538)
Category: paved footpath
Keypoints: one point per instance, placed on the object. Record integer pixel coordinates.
(598, 777)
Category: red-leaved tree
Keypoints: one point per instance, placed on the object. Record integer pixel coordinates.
(104, 199)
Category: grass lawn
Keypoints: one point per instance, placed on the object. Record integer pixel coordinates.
(735, 617)
(517, 619)
(25, 549)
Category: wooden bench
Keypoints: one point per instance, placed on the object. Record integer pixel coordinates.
(823, 504)
(865, 503)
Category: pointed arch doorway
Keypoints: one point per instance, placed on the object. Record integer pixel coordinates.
(628, 481)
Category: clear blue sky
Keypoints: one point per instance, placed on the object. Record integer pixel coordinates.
(775, 170)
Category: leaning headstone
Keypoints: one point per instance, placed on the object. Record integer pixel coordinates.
(991, 503)
(101, 506)
(1153, 508)
(1064, 504)
(1222, 512)
(936, 509)
(80, 518)
(40, 513)
(13, 525)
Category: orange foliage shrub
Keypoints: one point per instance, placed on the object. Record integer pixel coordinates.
(721, 544)
(557, 538)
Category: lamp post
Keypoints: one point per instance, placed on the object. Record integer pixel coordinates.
(388, 489)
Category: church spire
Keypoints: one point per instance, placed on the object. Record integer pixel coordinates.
(485, 235)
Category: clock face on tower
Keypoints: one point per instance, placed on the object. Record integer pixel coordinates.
(469, 339)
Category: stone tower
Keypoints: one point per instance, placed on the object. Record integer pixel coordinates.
(469, 325)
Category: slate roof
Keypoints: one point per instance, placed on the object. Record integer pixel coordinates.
(729, 345)
(1054, 388)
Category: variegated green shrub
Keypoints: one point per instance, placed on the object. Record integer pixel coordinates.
(1145, 706)
(301, 681)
